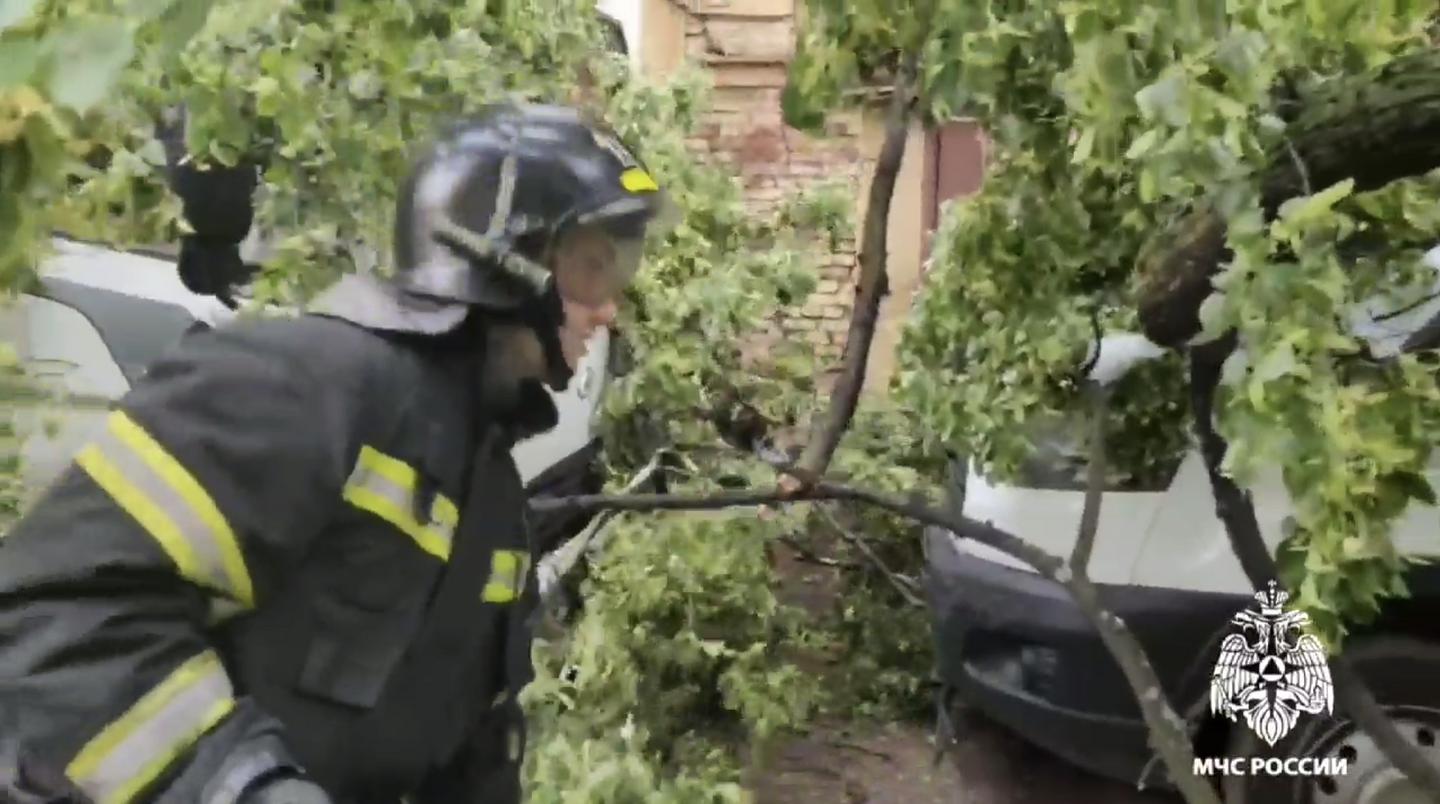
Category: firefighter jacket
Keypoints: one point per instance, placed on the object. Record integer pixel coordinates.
(296, 544)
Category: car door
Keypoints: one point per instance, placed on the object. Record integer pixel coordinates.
(71, 377)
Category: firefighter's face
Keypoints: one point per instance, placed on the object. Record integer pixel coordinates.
(591, 272)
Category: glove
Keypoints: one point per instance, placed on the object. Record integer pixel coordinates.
(286, 790)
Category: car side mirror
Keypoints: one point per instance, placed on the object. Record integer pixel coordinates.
(1115, 354)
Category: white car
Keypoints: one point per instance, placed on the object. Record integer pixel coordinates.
(99, 317)
(1013, 645)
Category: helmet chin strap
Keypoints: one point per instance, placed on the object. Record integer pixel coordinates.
(546, 315)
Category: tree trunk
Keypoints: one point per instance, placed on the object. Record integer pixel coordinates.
(1374, 128)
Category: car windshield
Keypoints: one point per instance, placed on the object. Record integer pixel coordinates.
(1059, 459)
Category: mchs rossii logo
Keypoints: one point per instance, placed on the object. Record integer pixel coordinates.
(1269, 673)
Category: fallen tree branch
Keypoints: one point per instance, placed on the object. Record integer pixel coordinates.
(1374, 127)
(1115, 634)
(984, 533)
(1168, 733)
(1237, 512)
(860, 544)
(871, 287)
(562, 561)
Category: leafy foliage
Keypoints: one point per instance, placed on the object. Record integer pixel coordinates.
(674, 655)
(1107, 122)
(329, 100)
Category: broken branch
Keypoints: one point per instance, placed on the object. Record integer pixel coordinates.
(1117, 637)
(1375, 127)
(872, 285)
(860, 544)
(1168, 733)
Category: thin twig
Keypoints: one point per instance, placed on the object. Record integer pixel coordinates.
(1299, 166)
(563, 560)
(861, 545)
(806, 554)
(1047, 564)
(1097, 396)
(861, 749)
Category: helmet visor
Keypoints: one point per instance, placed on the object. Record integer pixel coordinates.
(594, 265)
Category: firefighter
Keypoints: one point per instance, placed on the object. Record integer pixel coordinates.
(293, 567)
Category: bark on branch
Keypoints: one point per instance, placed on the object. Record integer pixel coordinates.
(916, 509)
(872, 285)
(1168, 734)
(1235, 510)
(1376, 127)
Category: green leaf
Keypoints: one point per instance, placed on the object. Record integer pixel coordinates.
(1143, 144)
(1165, 99)
(18, 60)
(1299, 211)
(183, 21)
(86, 60)
(13, 11)
(147, 10)
(1084, 147)
(1276, 363)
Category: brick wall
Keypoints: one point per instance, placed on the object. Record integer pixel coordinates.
(745, 133)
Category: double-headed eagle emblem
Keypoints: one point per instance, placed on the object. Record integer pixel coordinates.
(1271, 670)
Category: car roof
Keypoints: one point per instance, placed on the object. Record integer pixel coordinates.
(137, 331)
(136, 302)
(140, 276)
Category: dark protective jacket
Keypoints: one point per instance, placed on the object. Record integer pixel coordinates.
(274, 556)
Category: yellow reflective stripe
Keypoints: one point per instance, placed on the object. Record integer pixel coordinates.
(136, 749)
(444, 512)
(392, 469)
(507, 576)
(134, 502)
(385, 487)
(194, 495)
(170, 504)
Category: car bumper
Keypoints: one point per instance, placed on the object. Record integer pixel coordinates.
(1016, 647)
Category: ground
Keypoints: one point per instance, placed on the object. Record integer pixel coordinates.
(894, 764)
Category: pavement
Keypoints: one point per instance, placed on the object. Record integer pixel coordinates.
(894, 764)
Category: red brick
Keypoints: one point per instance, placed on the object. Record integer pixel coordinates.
(765, 144)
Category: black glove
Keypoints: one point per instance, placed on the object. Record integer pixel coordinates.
(286, 790)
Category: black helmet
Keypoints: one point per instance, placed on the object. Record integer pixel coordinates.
(489, 199)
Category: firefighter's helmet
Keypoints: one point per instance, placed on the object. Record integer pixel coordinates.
(484, 205)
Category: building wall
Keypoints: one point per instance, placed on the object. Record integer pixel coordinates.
(746, 45)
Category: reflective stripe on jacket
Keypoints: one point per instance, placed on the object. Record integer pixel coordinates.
(242, 557)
